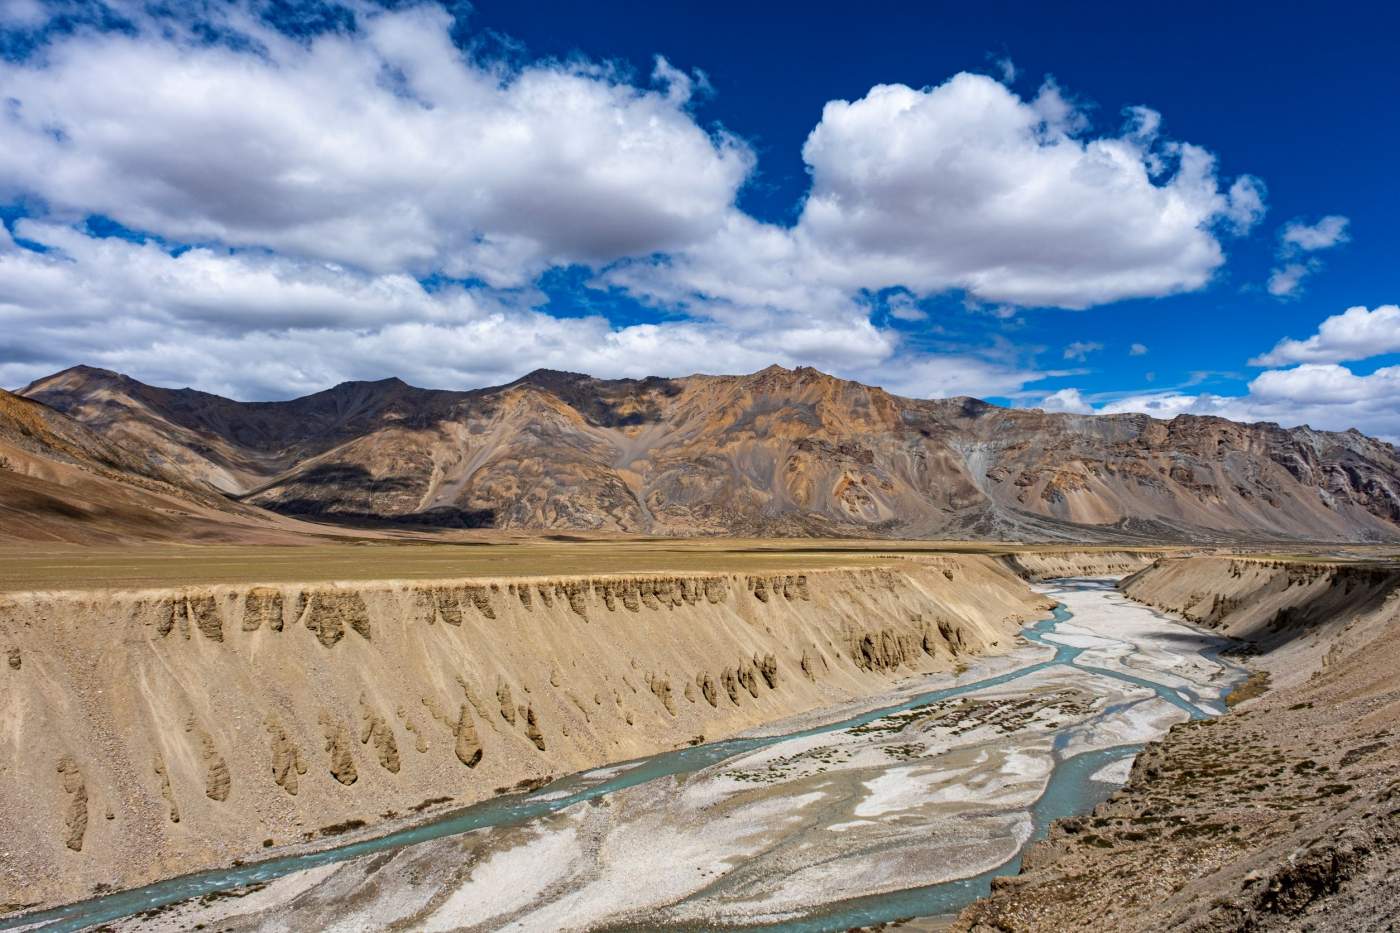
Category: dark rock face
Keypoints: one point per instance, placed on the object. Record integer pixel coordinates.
(778, 452)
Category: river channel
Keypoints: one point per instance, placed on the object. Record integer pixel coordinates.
(906, 810)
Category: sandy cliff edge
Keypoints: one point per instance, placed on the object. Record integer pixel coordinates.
(151, 733)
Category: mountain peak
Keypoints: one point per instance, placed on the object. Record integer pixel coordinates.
(551, 377)
(82, 374)
(86, 370)
(388, 382)
(797, 373)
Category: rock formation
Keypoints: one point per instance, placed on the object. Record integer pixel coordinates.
(216, 775)
(75, 816)
(287, 763)
(262, 608)
(468, 744)
(376, 732)
(340, 761)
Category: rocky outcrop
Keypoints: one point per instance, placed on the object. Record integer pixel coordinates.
(330, 612)
(216, 775)
(768, 669)
(661, 687)
(503, 697)
(882, 649)
(707, 688)
(532, 728)
(467, 746)
(262, 608)
(203, 613)
(220, 729)
(729, 677)
(170, 613)
(376, 732)
(75, 814)
(339, 759)
(287, 763)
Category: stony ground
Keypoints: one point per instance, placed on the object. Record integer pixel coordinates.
(1283, 815)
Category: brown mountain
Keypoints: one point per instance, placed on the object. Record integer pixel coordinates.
(778, 452)
(61, 481)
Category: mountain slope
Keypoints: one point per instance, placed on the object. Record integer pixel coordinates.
(62, 482)
(791, 452)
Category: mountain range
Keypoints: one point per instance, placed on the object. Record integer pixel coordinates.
(780, 452)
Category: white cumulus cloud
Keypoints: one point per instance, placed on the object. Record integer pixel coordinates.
(1325, 234)
(1284, 281)
(968, 186)
(1355, 334)
(1297, 239)
(387, 149)
(1066, 400)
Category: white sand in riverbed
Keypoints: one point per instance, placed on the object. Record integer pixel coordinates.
(1114, 772)
(508, 881)
(1140, 722)
(650, 861)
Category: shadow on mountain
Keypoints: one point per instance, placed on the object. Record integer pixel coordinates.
(351, 476)
(1304, 608)
(315, 510)
(1355, 592)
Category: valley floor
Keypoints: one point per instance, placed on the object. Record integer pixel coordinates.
(812, 824)
(147, 690)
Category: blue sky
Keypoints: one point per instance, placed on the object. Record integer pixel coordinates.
(1096, 208)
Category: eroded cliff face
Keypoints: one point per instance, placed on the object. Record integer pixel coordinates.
(157, 732)
(1049, 565)
(1296, 616)
(1282, 814)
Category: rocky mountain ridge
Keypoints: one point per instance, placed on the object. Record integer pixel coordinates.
(777, 452)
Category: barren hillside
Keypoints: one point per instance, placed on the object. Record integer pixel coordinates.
(62, 482)
(778, 452)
